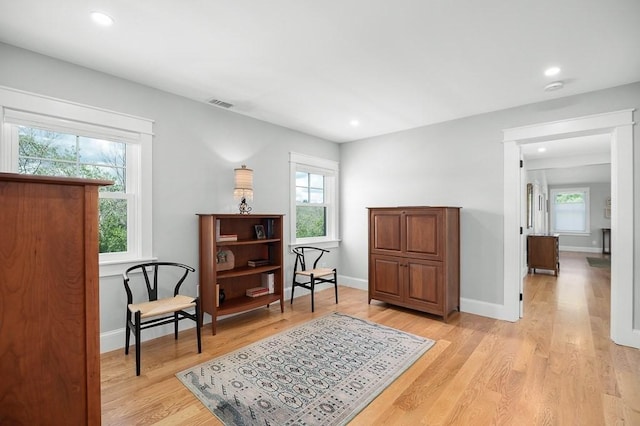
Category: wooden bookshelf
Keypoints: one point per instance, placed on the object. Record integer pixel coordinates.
(237, 280)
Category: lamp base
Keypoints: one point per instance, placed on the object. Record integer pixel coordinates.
(244, 207)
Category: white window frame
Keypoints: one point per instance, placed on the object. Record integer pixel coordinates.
(29, 109)
(331, 171)
(587, 201)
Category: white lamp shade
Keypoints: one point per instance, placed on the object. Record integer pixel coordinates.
(243, 183)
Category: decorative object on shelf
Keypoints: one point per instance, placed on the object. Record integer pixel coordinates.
(267, 279)
(260, 232)
(269, 228)
(243, 189)
(227, 237)
(257, 291)
(225, 259)
(221, 296)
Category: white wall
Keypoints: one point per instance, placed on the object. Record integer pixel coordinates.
(459, 163)
(195, 149)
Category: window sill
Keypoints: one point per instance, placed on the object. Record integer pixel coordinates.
(326, 244)
(572, 234)
(113, 268)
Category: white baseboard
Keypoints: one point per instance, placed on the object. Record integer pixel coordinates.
(114, 339)
(485, 309)
(631, 339)
(581, 249)
(352, 282)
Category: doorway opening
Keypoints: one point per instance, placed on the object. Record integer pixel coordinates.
(619, 126)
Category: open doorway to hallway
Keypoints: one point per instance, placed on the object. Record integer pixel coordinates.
(553, 170)
(619, 125)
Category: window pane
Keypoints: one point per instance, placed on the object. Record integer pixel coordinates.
(37, 166)
(115, 174)
(316, 181)
(566, 197)
(113, 225)
(302, 195)
(317, 196)
(97, 151)
(302, 179)
(570, 212)
(40, 143)
(311, 221)
(48, 153)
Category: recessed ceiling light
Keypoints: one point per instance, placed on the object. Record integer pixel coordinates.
(102, 19)
(542, 149)
(354, 123)
(553, 86)
(549, 72)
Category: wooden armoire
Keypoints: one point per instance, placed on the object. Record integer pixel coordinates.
(49, 320)
(414, 258)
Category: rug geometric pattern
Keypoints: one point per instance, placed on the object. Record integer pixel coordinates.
(322, 372)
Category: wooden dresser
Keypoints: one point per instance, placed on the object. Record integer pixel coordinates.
(49, 322)
(543, 252)
(414, 258)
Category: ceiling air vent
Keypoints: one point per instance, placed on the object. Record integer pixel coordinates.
(219, 103)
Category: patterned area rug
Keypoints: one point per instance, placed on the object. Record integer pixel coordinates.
(320, 373)
(599, 262)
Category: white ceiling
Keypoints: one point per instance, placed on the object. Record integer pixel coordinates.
(585, 159)
(314, 66)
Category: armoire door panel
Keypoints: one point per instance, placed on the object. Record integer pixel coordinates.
(386, 232)
(424, 234)
(387, 277)
(424, 283)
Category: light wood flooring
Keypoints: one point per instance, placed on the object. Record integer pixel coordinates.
(557, 366)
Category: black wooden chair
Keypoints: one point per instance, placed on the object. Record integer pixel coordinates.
(308, 277)
(153, 312)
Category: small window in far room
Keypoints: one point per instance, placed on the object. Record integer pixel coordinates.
(570, 211)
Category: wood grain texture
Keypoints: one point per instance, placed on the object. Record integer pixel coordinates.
(557, 366)
(49, 320)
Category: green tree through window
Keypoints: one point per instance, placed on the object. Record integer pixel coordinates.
(47, 153)
(311, 216)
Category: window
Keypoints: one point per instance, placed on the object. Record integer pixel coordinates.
(314, 206)
(44, 136)
(49, 153)
(570, 210)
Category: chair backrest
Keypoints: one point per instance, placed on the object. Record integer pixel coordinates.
(150, 272)
(307, 253)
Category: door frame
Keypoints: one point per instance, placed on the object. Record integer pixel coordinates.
(619, 125)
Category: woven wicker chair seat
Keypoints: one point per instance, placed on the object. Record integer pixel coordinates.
(163, 306)
(319, 272)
